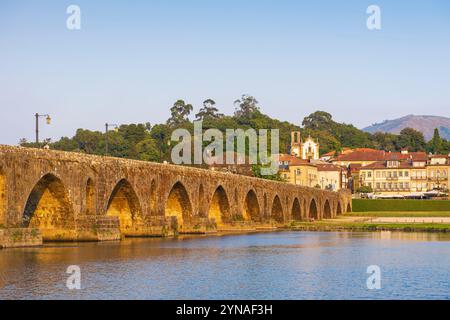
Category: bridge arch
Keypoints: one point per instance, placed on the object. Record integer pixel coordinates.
(48, 206)
(277, 209)
(178, 204)
(90, 197)
(3, 198)
(313, 213)
(124, 204)
(219, 208)
(327, 210)
(252, 210)
(296, 212)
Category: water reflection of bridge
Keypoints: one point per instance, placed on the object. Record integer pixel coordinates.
(71, 196)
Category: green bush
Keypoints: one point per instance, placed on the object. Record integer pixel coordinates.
(365, 189)
(366, 205)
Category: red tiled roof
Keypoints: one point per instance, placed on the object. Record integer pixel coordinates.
(362, 155)
(383, 165)
(439, 156)
(286, 157)
(328, 167)
(300, 162)
(329, 154)
(366, 154)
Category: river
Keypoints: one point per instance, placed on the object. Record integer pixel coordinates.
(277, 265)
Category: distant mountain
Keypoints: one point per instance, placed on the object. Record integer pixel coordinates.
(425, 124)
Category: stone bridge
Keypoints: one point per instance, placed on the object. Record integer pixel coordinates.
(71, 196)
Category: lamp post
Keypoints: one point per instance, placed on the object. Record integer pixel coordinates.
(107, 125)
(48, 120)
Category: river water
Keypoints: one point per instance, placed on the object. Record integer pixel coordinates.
(278, 265)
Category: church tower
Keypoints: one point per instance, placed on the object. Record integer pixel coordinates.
(296, 144)
(310, 149)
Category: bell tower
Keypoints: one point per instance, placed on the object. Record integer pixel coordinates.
(296, 143)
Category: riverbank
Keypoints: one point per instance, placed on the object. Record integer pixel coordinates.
(368, 224)
(400, 214)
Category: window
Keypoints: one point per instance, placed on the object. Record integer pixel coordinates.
(400, 174)
(406, 174)
(378, 185)
(406, 185)
(369, 174)
(384, 174)
(378, 174)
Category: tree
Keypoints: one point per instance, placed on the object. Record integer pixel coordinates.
(65, 144)
(88, 141)
(209, 111)
(160, 133)
(147, 150)
(246, 107)
(385, 141)
(411, 139)
(436, 145)
(179, 113)
(319, 120)
(365, 189)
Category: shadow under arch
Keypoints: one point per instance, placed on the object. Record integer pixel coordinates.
(349, 208)
(124, 204)
(277, 209)
(251, 207)
(48, 206)
(296, 212)
(219, 209)
(339, 208)
(90, 197)
(201, 201)
(178, 204)
(327, 210)
(313, 213)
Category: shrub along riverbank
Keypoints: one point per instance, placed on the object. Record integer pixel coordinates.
(400, 214)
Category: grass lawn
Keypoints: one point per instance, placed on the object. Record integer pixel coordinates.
(399, 214)
(367, 205)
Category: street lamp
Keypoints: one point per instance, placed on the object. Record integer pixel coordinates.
(48, 120)
(107, 125)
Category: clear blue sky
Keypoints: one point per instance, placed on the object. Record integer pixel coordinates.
(132, 59)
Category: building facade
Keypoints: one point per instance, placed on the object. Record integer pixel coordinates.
(414, 176)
